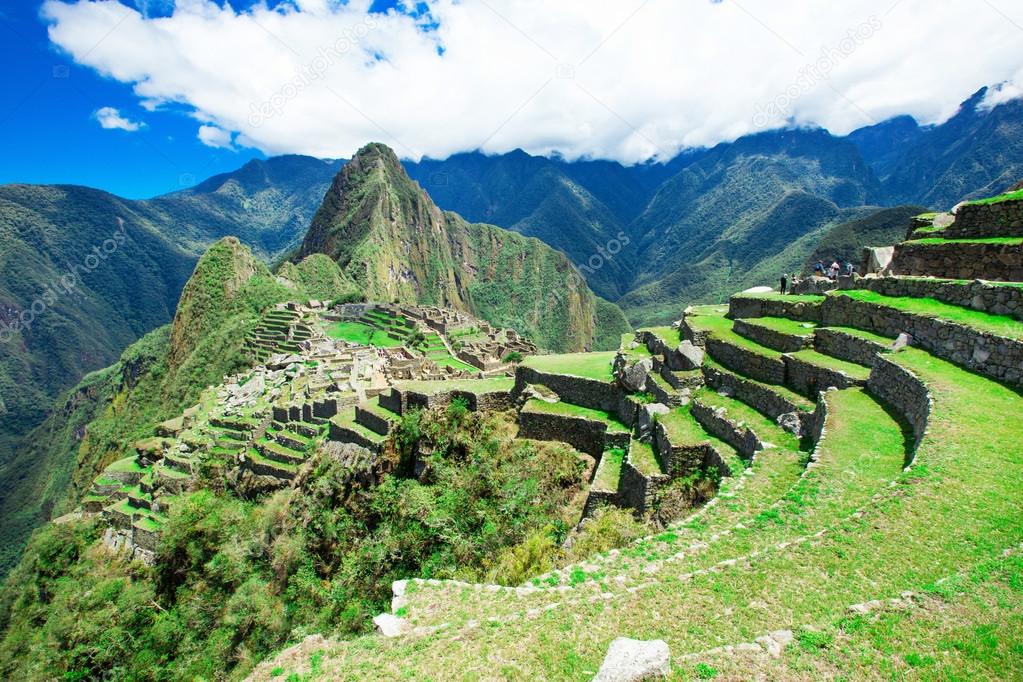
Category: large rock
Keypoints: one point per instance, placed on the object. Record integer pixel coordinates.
(633, 377)
(691, 355)
(633, 660)
(647, 419)
(876, 259)
(390, 625)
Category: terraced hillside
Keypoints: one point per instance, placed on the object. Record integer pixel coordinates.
(856, 500)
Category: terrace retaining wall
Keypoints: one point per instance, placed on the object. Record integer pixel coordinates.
(963, 260)
(993, 356)
(807, 378)
(779, 341)
(749, 363)
(997, 299)
(740, 307)
(904, 392)
(597, 395)
(739, 436)
(847, 347)
(1000, 219)
(585, 435)
(757, 396)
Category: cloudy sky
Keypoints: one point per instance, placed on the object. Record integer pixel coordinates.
(208, 85)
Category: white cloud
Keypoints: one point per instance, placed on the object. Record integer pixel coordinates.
(626, 80)
(215, 137)
(110, 118)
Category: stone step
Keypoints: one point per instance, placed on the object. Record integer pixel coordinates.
(279, 453)
(344, 429)
(291, 440)
(254, 461)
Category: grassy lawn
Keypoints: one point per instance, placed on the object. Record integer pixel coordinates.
(1014, 241)
(821, 360)
(643, 458)
(609, 471)
(795, 298)
(1008, 196)
(720, 328)
(362, 334)
(455, 363)
(477, 386)
(569, 410)
(583, 365)
(765, 427)
(129, 464)
(1001, 325)
(669, 335)
(783, 325)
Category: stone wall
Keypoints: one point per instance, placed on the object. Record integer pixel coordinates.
(636, 490)
(807, 378)
(847, 346)
(599, 498)
(596, 395)
(1000, 262)
(996, 357)
(756, 395)
(681, 459)
(904, 392)
(997, 299)
(746, 362)
(739, 436)
(585, 435)
(1000, 219)
(740, 307)
(372, 421)
(786, 343)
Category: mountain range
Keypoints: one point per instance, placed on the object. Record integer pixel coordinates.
(648, 239)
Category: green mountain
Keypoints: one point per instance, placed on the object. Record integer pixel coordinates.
(153, 380)
(738, 205)
(266, 204)
(388, 236)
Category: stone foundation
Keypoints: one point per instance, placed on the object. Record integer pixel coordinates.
(1000, 219)
(999, 262)
(746, 362)
(779, 341)
(847, 346)
(740, 307)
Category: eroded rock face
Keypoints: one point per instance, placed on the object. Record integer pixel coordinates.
(790, 422)
(633, 660)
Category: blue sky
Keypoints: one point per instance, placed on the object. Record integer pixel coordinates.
(49, 133)
(631, 81)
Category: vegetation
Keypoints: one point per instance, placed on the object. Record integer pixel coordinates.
(1001, 325)
(585, 365)
(235, 580)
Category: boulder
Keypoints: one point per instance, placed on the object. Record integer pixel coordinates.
(633, 660)
(791, 423)
(690, 354)
(902, 341)
(633, 377)
(389, 625)
(876, 258)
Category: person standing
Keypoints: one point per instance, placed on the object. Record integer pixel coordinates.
(784, 282)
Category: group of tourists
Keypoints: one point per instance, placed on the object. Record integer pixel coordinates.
(832, 272)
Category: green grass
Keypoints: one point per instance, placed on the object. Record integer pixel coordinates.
(1008, 196)
(643, 458)
(783, 325)
(1000, 325)
(1013, 241)
(669, 335)
(129, 464)
(864, 334)
(478, 386)
(738, 411)
(569, 410)
(681, 428)
(455, 363)
(583, 365)
(720, 328)
(362, 334)
(795, 298)
(812, 357)
(609, 471)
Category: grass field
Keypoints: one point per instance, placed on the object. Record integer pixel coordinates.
(584, 365)
(362, 334)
